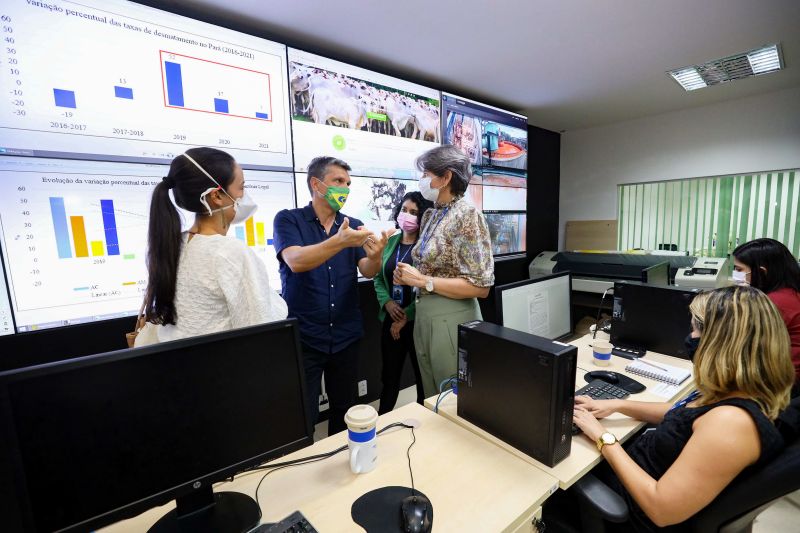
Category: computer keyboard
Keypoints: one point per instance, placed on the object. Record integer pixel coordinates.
(600, 390)
(294, 523)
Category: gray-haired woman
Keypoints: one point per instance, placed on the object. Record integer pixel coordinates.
(454, 264)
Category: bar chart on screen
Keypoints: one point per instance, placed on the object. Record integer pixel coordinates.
(152, 89)
(272, 192)
(76, 238)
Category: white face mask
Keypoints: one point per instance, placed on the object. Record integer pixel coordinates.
(244, 207)
(740, 278)
(428, 192)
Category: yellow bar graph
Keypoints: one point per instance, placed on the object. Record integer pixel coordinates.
(97, 248)
(79, 237)
(248, 228)
(262, 240)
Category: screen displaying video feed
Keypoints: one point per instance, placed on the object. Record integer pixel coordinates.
(497, 198)
(371, 200)
(376, 123)
(495, 140)
(74, 235)
(114, 80)
(508, 232)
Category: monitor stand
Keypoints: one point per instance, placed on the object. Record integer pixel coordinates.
(206, 511)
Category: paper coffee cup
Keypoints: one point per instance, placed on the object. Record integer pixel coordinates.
(601, 352)
(361, 438)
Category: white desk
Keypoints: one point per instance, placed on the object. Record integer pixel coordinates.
(583, 455)
(473, 485)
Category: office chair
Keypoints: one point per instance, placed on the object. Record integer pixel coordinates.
(733, 511)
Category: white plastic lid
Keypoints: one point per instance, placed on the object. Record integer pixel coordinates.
(361, 417)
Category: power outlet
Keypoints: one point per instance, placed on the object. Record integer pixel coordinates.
(362, 387)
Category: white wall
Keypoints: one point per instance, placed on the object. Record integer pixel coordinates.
(747, 135)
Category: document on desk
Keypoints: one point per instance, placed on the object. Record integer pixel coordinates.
(664, 390)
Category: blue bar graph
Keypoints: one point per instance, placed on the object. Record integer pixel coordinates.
(270, 241)
(64, 98)
(240, 233)
(110, 226)
(174, 83)
(123, 92)
(60, 226)
(220, 105)
(262, 115)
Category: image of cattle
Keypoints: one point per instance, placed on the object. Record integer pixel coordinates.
(331, 98)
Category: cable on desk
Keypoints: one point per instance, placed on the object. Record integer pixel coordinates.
(408, 454)
(322, 456)
(439, 398)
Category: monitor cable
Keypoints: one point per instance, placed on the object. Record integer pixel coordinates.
(600, 310)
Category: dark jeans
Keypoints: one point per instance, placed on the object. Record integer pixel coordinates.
(341, 372)
(394, 353)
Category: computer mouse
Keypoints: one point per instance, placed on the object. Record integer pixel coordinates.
(603, 375)
(414, 514)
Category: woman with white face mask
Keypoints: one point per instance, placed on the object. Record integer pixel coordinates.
(769, 266)
(201, 281)
(454, 264)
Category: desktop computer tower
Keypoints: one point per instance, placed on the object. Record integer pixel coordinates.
(518, 387)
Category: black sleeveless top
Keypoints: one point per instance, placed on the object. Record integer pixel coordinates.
(655, 451)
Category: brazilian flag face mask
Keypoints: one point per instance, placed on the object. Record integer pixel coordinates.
(335, 196)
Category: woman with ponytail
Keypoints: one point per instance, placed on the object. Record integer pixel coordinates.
(201, 281)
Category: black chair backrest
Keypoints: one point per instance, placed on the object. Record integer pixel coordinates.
(778, 478)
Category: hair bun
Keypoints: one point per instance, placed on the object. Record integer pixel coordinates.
(168, 181)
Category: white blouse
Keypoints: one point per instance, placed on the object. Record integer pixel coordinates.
(221, 285)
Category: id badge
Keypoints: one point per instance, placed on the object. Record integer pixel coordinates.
(397, 294)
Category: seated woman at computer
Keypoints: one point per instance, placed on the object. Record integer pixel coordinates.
(768, 265)
(201, 281)
(743, 374)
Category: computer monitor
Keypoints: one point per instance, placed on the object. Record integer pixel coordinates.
(93, 440)
(657, 274)
(540, 306)
(651, 317)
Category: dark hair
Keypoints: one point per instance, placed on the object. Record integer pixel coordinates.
(782, 270)
(439, 160)
(416, 197)
(319, 167)
(187, 183)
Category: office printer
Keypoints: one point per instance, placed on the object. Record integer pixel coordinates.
(705, 273)
(596, 272)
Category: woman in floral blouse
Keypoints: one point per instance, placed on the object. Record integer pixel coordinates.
(454, 264)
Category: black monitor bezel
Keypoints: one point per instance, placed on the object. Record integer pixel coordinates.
(499, 289)
(169, 493)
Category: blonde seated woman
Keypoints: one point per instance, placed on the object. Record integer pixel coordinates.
(743, 374)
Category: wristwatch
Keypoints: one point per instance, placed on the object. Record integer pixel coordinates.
(429, 285)
(606, 438)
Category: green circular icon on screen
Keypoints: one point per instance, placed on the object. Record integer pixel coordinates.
(338, 142)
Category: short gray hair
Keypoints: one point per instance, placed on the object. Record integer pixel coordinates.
(318, 168)
(439, 160)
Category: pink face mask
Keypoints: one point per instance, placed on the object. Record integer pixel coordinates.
(407, 222)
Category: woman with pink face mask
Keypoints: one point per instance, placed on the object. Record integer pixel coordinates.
(397, 302)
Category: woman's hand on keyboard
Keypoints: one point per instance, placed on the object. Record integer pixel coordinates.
(598, 408)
